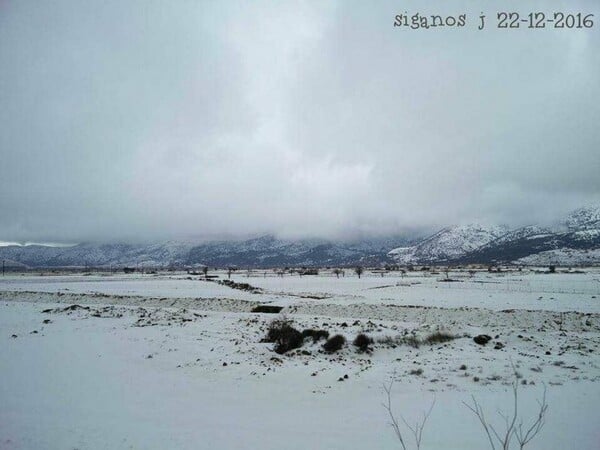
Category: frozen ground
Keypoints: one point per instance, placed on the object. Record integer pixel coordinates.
(530, 289)
(166, 362)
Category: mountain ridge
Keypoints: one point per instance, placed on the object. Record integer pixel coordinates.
(576, 240)
(263, 251)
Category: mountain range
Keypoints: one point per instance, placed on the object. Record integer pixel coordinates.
(576, 240)
(264, 251)
(573, 241)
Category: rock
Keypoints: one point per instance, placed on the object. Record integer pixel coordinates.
(224, 364)
(74, 308)
(498, 346)
(482, 339)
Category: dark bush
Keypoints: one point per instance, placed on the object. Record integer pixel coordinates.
(482, 339)
(284, 336)
(316, 335)
(276, 328)
(334, 344)
(439, 337)
(362, 342)
(289, 339)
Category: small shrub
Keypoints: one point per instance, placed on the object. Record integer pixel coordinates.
(362, 342)
(412, 341)
(417, 372)
(334, 344)
(289, 340)
(396, 341)
(316, 335)
(276, 328)
(439, 337)
(284, 335)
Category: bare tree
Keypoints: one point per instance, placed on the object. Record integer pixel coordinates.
(524, 437)
(359, 271)
(513, 424)
(416, 430)
(205, 271)
(337, 272)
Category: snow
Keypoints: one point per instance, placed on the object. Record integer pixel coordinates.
(481, 244)
(448, 244)
(584, 218)
(581, 229)
(563, 257)
(85, 379)
(528, 289)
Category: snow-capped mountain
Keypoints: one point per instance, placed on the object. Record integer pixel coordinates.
(265, 251)
(584, 219)
(268, 251)
(514, 245)
(577, 241)
(98, 255)
(448, 245)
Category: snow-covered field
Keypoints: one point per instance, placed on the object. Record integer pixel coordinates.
(163, 361)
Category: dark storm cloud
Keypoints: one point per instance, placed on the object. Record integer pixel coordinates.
(181, 119)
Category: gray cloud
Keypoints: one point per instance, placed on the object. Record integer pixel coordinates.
(124, 120)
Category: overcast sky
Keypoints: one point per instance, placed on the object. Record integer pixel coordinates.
(184, 119)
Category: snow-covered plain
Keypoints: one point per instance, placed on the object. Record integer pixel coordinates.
(531, 289)
(168, 362)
